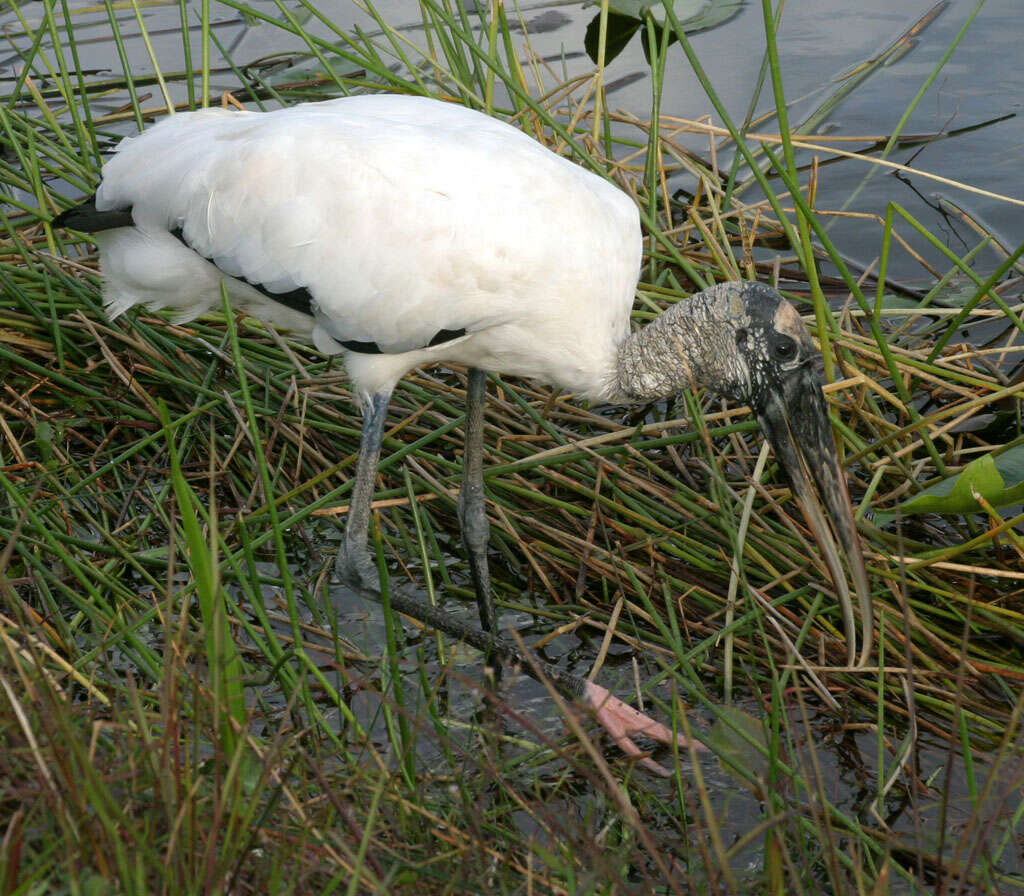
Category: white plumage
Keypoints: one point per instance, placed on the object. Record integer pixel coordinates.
(399, 231)
(403, 216)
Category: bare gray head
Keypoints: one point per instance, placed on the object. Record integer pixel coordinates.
(743, 341)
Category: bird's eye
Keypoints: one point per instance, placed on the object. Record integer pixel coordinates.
(784, 348)
(741, 337)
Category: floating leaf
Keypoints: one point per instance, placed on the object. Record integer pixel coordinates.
(892, 302)
(626, 16)
(730, 737)
(999, 479)
(685, 10)
(954, 297)
(620, 32)
(309, 70)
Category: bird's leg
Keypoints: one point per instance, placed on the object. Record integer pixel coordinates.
(472, 514)
(354, 565)
(618, 718)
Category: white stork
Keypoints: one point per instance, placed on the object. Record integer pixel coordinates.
(399, 231)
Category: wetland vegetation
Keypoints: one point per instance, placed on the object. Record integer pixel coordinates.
(189, 705)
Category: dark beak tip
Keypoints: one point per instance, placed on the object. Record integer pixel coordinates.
(802, 440)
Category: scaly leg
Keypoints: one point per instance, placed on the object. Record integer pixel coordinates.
(619, 719)
(354, 565)
(472, 513)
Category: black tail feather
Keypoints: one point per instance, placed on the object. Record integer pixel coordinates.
(86, 218)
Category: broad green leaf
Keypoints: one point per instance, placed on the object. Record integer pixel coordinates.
(310, 71)
(953, 297)
(626, 16)
(44, 442)
(730, 737)
(999, 479)
(684, 9)
(893, 302)
(620, 32)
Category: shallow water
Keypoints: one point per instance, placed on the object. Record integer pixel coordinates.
(820, 747)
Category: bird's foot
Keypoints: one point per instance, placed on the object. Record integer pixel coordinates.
(355, 568)
(620, 720)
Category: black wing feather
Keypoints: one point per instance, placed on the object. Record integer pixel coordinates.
(86, 218)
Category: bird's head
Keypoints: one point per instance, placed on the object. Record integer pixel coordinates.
(783, 388)
(745, 342)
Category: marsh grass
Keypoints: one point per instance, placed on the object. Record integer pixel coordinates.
(183, 707)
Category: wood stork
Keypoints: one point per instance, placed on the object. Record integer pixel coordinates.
(399, 231)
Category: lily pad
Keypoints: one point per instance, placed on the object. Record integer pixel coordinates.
(999, 479)
(952, 297)
(308, 70)
(685, 10)
(730, 737)
(626, 16)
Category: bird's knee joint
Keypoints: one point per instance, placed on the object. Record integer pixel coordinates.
(474, 522)
(477, 530)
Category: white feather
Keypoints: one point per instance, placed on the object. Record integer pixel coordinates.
(403, 216)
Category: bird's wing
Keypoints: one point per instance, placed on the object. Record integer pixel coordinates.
(403, 217)
(224, 182)
(345, 205)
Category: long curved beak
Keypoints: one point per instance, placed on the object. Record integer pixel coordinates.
(795, 422)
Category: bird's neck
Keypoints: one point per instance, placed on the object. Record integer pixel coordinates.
(691, 345)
